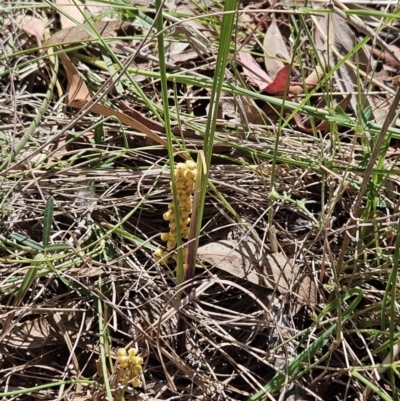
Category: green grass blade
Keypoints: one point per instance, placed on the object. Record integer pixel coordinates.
(48, 221)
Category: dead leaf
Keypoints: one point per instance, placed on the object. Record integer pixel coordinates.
(380, 107)
(131, 112)
(324, 125)
(386, 57)
(73, 11)
(275, 50)
(310, 82)
(173, 51)
(32, 26)
(334, 39)
(269, 271)
(280, 83)
(253, 71)
(104, 29)
(34, 333)
(79, 97)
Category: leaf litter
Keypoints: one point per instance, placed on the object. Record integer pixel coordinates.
(252, 298)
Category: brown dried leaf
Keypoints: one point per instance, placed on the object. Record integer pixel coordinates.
(323, 125)
(79, 97)
(34, 333)
(311, 81)
(333, 37)
(385, 56)
(71, 13)
(275, 50)
(78, 34)
(270, 271)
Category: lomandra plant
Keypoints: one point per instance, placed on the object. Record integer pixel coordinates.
(228, 19)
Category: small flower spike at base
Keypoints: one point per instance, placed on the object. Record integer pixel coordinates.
(131, 366)
(185, 178)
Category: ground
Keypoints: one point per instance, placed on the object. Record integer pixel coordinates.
(280, 281)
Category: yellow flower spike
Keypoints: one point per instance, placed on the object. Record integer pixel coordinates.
(185, 181)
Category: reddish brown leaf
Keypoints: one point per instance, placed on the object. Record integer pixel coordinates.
(280, 83)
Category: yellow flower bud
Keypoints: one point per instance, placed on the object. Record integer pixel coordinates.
(185, 204)
(159, 253)
(132, 352)
(190, 164)
(167, 215)
(172, 225)
(136, 360)
(121, 352)
(136, 382)
(190, 184)
(185, 214)
(123, 359)
(180, 166)
(136, 370)
(171, 244)
(164, 236)
(184, 222)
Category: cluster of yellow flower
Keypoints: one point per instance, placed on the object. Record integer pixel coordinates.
(185, 176)
(131, 365)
